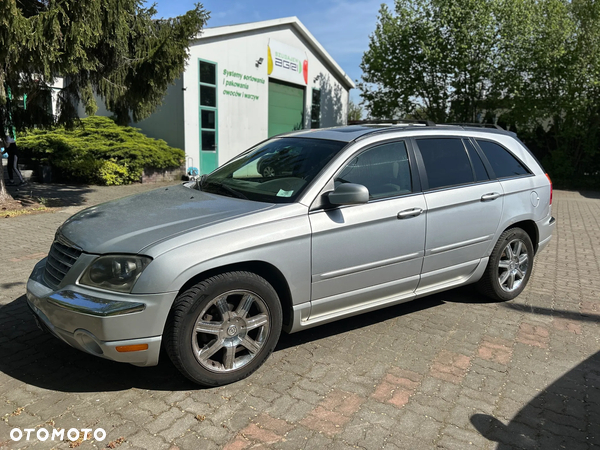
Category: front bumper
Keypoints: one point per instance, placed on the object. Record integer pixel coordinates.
(97, 322)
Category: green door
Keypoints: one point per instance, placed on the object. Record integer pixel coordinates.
(286, 108)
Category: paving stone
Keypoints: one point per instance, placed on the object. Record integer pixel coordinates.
(450, 371)
(154, 405)
(427, 411)
(215, 433)
(470, 437)
(136, 415)
(144, 439)
(371, 416)
(289, 409)
(164, 420)
(192, 441)
(178, 428)
(124, 430)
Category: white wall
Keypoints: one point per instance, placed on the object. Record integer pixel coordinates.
(243, 122)
(55, 88)
(167, 121)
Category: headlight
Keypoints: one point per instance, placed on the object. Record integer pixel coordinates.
(115, 272)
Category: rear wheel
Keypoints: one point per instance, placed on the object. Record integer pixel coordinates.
(224, 328)
(509, 266)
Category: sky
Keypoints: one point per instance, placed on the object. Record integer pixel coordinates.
(341, 26)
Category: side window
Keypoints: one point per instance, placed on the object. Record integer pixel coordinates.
(480, 172)
(502, 161)
(446, 162)
(384, 170)
(315, 110)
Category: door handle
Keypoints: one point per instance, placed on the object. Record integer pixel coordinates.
(407, 213)
(490, 196)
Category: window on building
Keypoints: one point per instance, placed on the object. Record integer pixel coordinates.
(502, 161)
(446, 162)
(384, 170)
(315, 111)
(208, 106)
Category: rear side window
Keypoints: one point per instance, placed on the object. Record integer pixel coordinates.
(502, 161)
(480, 172)
(446, 162)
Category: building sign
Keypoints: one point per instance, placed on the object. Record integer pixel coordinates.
(287, 63)
(240, 85)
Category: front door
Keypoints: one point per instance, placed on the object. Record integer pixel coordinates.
(371, 252)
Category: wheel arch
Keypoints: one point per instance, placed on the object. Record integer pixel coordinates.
(530, 227)
(263, 269)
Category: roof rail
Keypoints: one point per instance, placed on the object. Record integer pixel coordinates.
(478, 125)
(427, 123)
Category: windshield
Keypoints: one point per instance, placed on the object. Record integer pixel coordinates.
(276, 171)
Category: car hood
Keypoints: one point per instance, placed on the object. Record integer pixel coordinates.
(130, 224)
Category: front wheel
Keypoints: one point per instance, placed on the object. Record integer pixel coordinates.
(509, 266)
(223, 329)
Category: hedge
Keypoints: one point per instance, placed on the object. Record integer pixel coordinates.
(98, 152)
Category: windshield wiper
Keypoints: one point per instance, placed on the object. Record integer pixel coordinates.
(200, 182)
(238, 194)
(228, 189)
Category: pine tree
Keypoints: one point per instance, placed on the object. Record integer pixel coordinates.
(114, 49)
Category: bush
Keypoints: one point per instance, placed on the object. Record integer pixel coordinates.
(98, 152)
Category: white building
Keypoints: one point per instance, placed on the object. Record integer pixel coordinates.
(245, 83)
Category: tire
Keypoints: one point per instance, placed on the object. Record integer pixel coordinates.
(509, 266)
(224, 328)
(268, 171)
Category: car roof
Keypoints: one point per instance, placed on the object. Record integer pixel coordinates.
(351, 133)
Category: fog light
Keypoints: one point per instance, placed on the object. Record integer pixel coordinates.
(89, 343)
(132, 348)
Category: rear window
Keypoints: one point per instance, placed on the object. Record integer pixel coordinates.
(502, 161)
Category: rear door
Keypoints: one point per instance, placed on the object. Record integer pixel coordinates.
(464, 207)
(521, 194)
(371, 252)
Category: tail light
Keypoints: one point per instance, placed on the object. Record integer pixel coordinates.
(550, 181)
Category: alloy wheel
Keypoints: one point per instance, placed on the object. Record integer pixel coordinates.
(513, 265)
(230, 331)
(268, 172)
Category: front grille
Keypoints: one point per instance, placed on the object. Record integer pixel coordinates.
(61, 258)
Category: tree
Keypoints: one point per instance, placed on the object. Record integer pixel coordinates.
(431, 55)
(550, 74)
(355, 111)
(114, 49)
(530, 65)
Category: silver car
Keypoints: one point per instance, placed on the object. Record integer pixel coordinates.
(356, 218)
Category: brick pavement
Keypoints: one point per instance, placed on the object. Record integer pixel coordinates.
(450, 371)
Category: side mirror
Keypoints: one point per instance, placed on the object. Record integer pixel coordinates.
(349, 194)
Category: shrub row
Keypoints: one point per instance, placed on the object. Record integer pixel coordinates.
(98, 152)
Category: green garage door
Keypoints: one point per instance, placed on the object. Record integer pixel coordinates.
(286, 108)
